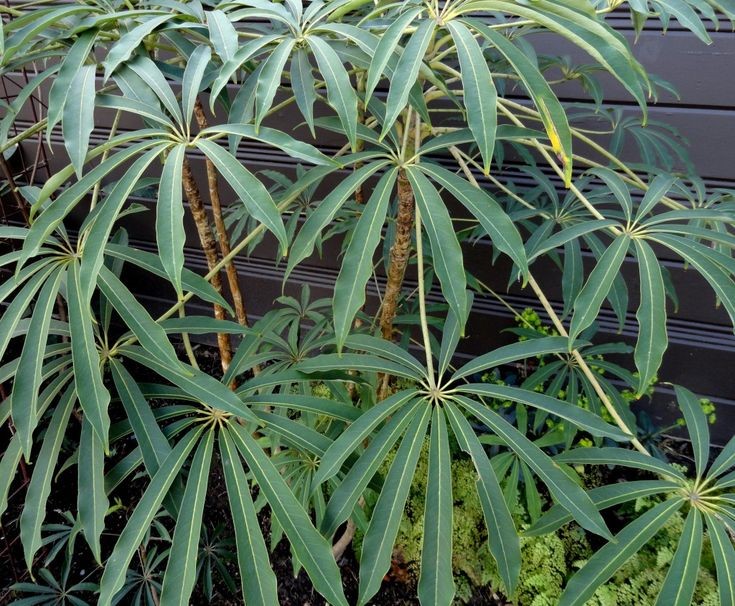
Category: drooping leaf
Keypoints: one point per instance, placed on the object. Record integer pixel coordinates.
(91, 498)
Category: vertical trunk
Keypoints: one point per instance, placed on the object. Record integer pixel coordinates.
(399, 255)
(223, 237)
(209, 246)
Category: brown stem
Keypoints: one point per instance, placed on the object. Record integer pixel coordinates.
(20, 202)
(223, 236)
(209, 246)
(399, 255)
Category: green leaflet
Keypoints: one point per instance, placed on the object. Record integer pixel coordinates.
(256, 575)
(249, 189)
(480, 95)
(91, 498)
(93, 396)
(381, 534)
(600, 281)
(388, 350)
(138, 524)
(99, 233)
(351, 487)
(562, 488)
(223, 35)
(581, 418)
(678, 587)
(156, 81)
(621, 457)
(181, 570)
(312, 549)
(122, 50)
(34, 508)
(724, 555)
(192, 81)
(357, 265)
(445, 249)
(27, 380)
(406, 72)
(436, 581)
(603, 564)
(62, 84)
(503, 540)
(493, 219)
(362, 362)
(150, 334)
(340, 94)
(512, 353)
(270, 78)
(304, 86)
(170, 234)
(697, 426)
(652, 336)
(78, 116)
(603, 497)
(353, 436)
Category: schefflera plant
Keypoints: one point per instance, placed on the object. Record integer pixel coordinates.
(419, 95)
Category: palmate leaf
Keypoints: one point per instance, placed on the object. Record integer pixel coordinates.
(269, 78)
(724, 556)
(192, 80)
(92, 501)
(170, 234)
(681, 579)
(123, 49)
(78, 116)
(223, 34)
(697, 427)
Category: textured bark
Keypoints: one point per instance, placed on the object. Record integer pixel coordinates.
(209, 246)
(399, 255)
(223, 238)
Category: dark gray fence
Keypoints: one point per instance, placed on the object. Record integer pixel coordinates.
(702, 351)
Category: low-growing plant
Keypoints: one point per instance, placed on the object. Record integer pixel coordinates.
(427, 107)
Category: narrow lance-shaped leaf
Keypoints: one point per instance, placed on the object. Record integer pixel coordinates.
(27, 381)
(552, 113)
(311, 548)
(386, 48)
(724, 556)
(651, 315)
(93, 396)
(503, 540)
(139, 522)
(34, 509)
(381, 534)
(91, 498)
(270, 79)
(304, 86)
(170, 234)
(123, 49)
(192, 81)
(78, 116)
(249, 189)
(681, 579)
(223, 34)
(696, 422)
(340, 94)
(436, 581)
(62, 84)
(562, 488)
(357, 265)
(600, 281)
(445, 249)
(181, 570)
(406, 72)
(491, 216)
(480, 95)
(256, 575)
(607, 560)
